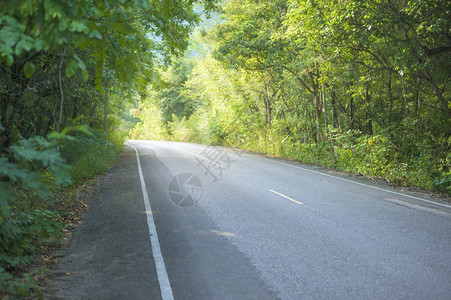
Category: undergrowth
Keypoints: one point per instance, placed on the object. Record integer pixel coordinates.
(375, 156)
(401, 158)
(33, 175)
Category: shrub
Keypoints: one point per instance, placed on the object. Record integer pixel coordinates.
(88, 155)
(30, 174)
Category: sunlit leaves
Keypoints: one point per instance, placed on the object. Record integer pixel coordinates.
(367, 68)
(121, 26)
(246, 38)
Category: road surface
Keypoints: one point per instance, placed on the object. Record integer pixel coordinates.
(223, 224)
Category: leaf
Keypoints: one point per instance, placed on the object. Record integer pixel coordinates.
(85, 75)
(95, 34)
(71, 68)
(63, 24)
(78, 26)
(83, 128)
(9, 60)
(20, 46)
(80, 62)
(29, 68)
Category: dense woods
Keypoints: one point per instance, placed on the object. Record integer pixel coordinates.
(361, 86)
(69, 73)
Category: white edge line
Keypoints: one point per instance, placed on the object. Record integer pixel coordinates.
(219, 165)
(163, 279)
(286, 197)
(355, 182)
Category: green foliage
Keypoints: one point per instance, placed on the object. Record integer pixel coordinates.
(30, 176)
(23, 234)
(89, 156)
(18, 287)
(34, 160)
(73, 65)
(25, 223)
(60, 59)
(360, 86)
(120, 26)
(151, 126)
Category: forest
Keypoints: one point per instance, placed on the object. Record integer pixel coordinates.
(354, 85)
(359, 86)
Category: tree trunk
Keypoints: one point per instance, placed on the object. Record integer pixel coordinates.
(268, 110)
(93, 114)
(369, 122)
(267, 100)
(334, 109)
(417, 98)
(318, 111)
(11, 108)
(60, 113)
(323, 96)
(390, 98)
(445, 103)
(351, 112)
(76, 108)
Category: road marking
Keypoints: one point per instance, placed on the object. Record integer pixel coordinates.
(286, 197)
(222, 233)
(163, 279)
(416, 206)
(354, 182)
(219, 165)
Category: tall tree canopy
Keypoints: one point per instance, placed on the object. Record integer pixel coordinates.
(357, 85)
(100, 46)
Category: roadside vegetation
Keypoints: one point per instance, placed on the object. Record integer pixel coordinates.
(69, 73)
(36, 188)
(359, 86)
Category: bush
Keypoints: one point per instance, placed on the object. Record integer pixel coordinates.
(25, 223)
(88, 156)
(31, 172)
(399, 155)
(22, 234)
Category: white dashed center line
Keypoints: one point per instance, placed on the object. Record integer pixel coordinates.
(286, 197)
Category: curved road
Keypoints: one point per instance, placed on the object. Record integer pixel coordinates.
(232, 225)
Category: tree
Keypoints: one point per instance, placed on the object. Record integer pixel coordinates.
(246, 41)
(121, 38)
(364, 82)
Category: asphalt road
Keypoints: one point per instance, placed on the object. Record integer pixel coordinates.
(232, 225)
